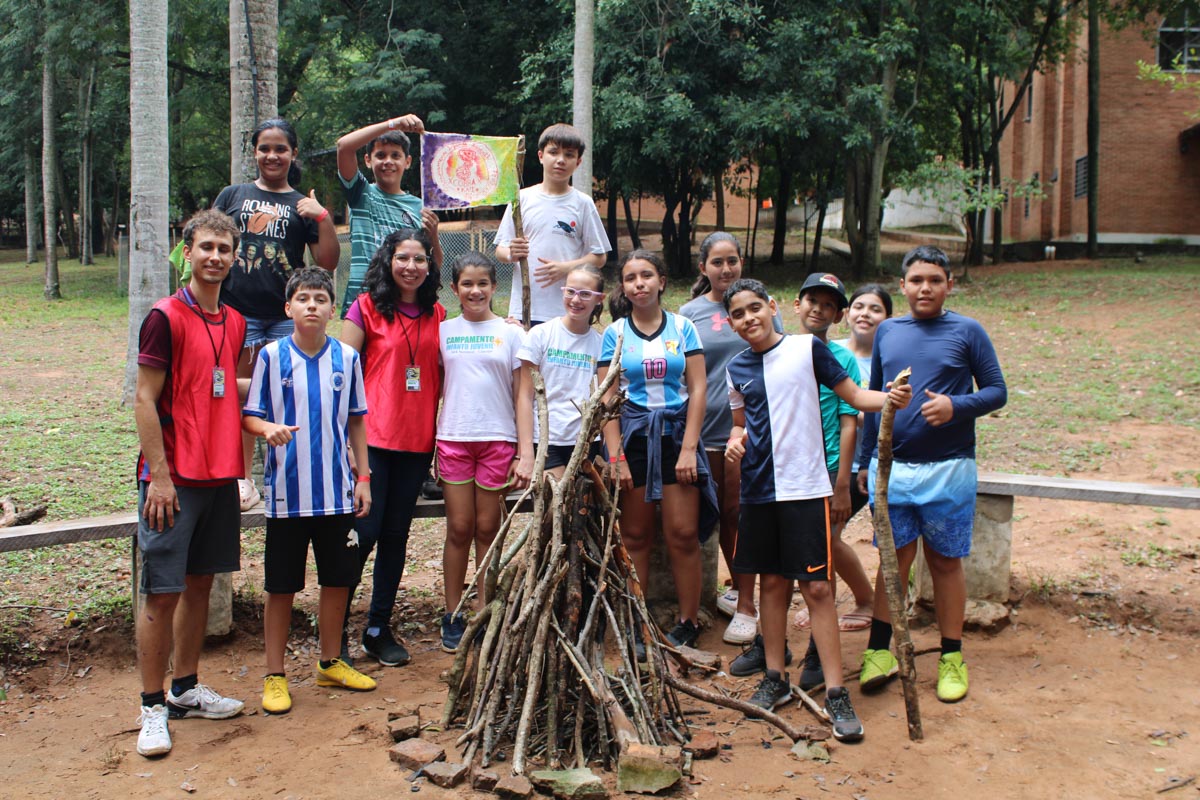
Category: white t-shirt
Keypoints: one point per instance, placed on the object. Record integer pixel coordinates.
(567, 362)
(477, 394)
(563, 227)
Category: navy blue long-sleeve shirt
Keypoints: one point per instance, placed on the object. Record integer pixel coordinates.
(949, 355)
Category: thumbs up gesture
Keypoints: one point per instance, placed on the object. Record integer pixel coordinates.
(938, 409)
(310, 207)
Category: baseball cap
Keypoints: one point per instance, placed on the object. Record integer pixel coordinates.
(826, 280)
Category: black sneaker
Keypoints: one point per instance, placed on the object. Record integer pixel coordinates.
(754, 659)
(684, 634)
(846, 725)
(811, 674)
(453, 628)
(385, 649)
(772, 692)
(431, 489)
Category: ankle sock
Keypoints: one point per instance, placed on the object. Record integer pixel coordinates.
(276, 675)
(811, 652)
(373, 631)
(951, 645)
(326, 664)
(151, 699)
(184, 684)
(881, 635)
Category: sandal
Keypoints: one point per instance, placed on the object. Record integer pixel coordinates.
(854, 621)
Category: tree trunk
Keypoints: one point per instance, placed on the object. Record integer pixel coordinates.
(582, 69)
(31, 219)
(719, 199)
(1093, 130)
(253, 78)
(85, 168)
(864, 185)
(49, 173)
(630, 223)
(998, 211)
(68, 210)
(611, 224)
(149, 231)
(782, 201)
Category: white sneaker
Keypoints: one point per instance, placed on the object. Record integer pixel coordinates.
(741, 629)
(154, 739)
(204, 703)
(248, 494)
(727, 603)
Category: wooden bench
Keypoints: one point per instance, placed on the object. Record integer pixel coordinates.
(989, 567)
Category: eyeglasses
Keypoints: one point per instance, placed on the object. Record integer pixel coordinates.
(420, 261)
(583, 294)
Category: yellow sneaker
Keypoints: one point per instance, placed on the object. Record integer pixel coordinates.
(276, 698)
(342, 674)
(952, 678)
(878, 667)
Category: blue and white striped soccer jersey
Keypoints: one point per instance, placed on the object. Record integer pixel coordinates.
(785, 447)
(310, 475)
(652, 366)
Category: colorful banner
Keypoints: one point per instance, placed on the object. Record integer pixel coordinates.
(459, 170)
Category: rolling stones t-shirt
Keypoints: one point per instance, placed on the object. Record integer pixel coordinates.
(273, 238)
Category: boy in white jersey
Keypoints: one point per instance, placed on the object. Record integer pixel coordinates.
(783, 531)
(307, 400)
(561, 225)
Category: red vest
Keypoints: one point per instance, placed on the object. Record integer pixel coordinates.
(202, 434)
(400, 419)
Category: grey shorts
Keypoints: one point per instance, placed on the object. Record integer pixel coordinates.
(205, 539)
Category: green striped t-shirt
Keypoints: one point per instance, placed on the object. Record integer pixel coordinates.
(373, 215)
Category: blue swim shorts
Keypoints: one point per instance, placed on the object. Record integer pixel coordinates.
(934, 501)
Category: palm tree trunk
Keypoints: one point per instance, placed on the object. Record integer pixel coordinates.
(49, 176)
(253, 78)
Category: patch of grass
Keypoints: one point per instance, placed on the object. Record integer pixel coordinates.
(1150, 555)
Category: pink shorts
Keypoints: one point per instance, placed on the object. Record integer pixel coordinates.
(485, 463)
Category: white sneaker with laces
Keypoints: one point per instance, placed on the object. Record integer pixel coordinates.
(248, 494)
(741, 629)
(154, 738)
(204, 703)
(727, 602)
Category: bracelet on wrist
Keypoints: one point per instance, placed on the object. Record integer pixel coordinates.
(364, 478)
(615, 459)
(392, 124)
(324, 213)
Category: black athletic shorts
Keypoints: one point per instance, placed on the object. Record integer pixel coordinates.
(205, 539)
(635, 454)
(334, 544)
(557, 455)
(789, 538)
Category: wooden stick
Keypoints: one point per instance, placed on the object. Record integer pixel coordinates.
(894, 583)
(790, 730)
(519, 233)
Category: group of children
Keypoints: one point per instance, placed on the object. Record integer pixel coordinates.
(757, 442)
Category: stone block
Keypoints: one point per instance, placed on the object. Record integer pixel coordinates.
(647, 770)
(483, 780)
(569, 784)
(416, 753)
(703, 745)
(446, 775)
(515, 787)
(404, 728)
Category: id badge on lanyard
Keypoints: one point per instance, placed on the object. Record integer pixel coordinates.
(218, 381)
(412, 379)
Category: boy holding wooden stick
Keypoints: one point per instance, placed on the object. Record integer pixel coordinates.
(931, 494)
(561, 226)
(783, 527)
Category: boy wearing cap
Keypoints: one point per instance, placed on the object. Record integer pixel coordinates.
(931, 493)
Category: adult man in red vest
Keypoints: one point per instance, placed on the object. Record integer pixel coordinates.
(189, 425)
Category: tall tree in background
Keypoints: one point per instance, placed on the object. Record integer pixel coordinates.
(49, 175)
(31, 184)
(149, 279)
(253, 78)
(584, 62)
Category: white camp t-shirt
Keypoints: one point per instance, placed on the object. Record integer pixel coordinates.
(567, 362)
(562, 227)
(477, 393)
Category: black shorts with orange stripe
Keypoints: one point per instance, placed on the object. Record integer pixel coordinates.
(790, 538)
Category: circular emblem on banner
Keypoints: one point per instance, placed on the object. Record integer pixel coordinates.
(466, 171)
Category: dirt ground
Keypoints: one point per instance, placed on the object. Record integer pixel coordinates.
(1090, 692)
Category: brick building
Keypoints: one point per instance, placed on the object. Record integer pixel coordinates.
(1149, 150)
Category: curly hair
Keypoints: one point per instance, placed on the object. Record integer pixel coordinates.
(382, 288)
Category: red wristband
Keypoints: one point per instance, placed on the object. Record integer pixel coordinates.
(324, 214)
(615, 459)
(364, 478)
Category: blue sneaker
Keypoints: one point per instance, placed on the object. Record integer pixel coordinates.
(453, 628)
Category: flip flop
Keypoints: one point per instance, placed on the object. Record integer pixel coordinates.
(854, 621)
(802, 619)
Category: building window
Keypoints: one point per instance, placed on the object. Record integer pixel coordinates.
(1179, 41)
(1029, 103)
(1081, 178)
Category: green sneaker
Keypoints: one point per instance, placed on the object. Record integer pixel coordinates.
(952, 678)
(878, 667)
